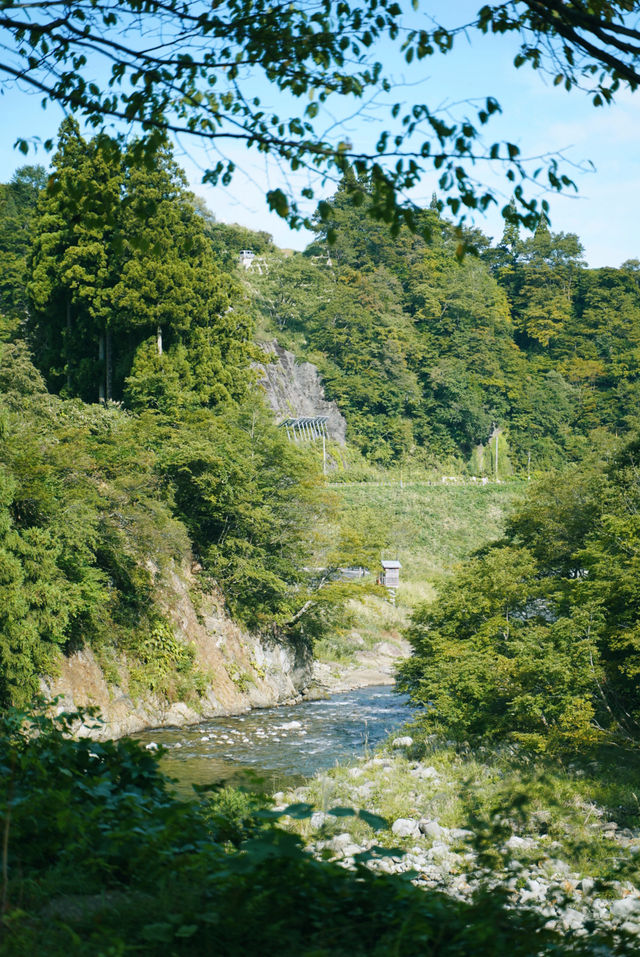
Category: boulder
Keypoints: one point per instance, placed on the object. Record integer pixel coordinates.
(432, 829)
(405, 827)
(626, 908)
(404, 742)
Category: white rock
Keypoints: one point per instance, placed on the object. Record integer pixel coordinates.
(341, 840)
(460, 834)
(572, 919)
(424, 774)
(627, 907)
(350, 850)
(587, 884)
(355, 772)
(554, 866)
(534, 891)
(152, 746)
(630, 927)
(440, 851)
(383, 865)
(405, 827)
(318, 818)
(600, 908)
(432, 829)
(516, 843)
(404, 742)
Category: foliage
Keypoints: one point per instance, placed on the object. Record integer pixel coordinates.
(17, 205)
(196, 71)
(536, 637)
(251, 501)
(125, 297)
(81, 513)
(99, 858)
(427, 354)
(97, 505)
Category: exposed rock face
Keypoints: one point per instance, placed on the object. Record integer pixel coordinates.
(295, 389)
(243, 672)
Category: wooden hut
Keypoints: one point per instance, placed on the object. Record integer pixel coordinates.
(390, 574)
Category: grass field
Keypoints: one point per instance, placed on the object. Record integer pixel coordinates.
(429, 528)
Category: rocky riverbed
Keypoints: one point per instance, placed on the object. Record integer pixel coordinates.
(370, 666)
(527, 863)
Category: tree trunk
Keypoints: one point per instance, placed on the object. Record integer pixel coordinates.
(109, 369)
(159, 340)
(68, 346)
(101, 360)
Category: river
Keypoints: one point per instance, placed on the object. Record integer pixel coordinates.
(277, 747)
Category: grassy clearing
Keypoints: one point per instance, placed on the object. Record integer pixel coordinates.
(371, 620)
(429, 528)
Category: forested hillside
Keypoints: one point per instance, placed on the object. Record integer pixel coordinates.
(133, 434)
(428, 346)
(132, 438)
(134, 443)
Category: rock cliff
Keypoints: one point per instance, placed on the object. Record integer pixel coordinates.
(295, 389)
(242, 671)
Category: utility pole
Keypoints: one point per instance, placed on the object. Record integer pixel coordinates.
(324, 454)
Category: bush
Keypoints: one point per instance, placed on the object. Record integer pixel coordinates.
(101, 859)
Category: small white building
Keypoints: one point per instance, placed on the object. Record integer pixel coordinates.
(390, 574)
(246, 258)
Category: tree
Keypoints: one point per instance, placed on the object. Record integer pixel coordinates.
(196, 69)
(18, 200)
(72, 269)
(536, 638)
(126, 297)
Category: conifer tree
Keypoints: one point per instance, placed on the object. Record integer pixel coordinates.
(121, 258)
(73, 264)
(18, 199)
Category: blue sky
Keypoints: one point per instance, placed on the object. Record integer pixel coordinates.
(538, 117)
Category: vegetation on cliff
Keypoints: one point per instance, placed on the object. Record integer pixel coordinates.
(113, 291)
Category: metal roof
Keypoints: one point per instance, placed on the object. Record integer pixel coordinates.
(305, 420)
(391, 564)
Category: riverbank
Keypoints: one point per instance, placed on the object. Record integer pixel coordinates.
(236, 671)
(369, 666)
(562, 840)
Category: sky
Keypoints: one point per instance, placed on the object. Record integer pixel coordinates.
(600, 146)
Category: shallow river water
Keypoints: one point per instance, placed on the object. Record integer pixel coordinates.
(275, 747)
